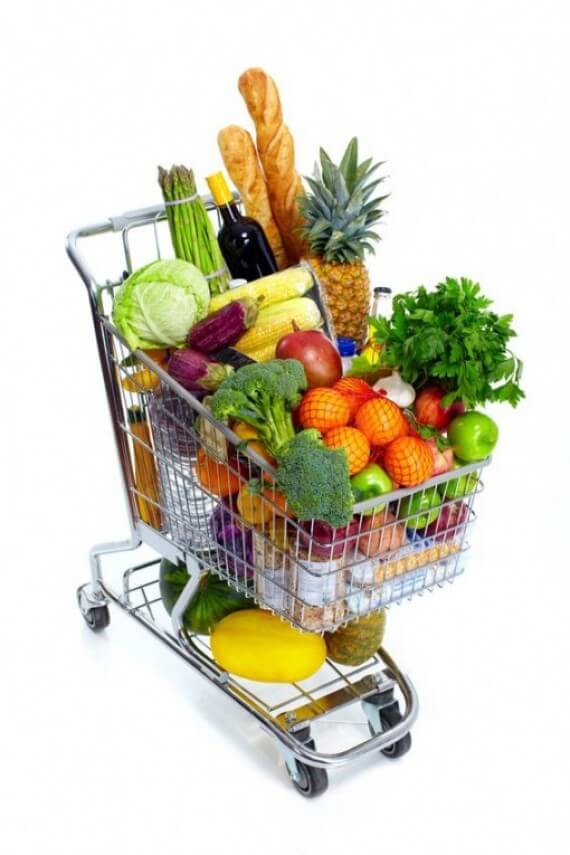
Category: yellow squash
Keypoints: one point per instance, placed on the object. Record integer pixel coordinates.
(259, 646)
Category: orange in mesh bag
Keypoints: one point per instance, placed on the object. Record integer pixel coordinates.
(323, 409)
(408, 460)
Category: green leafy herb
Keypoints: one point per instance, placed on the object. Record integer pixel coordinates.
(451, 337)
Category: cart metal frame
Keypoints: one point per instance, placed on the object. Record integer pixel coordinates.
(372, 685)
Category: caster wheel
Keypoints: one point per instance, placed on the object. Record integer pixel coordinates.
(96, 614)
(310, 782)
(391, 716)
(97, 618)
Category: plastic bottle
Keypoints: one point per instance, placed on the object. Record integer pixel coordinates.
(347, 350)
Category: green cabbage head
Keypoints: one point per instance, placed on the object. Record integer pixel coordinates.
(157, 304)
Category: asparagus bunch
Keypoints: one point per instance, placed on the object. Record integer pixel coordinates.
(191, 230)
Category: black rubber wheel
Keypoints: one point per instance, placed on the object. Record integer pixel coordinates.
(312, 782)
(97, 618)
(390, 716)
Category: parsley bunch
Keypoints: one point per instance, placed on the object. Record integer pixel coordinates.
(450, 336)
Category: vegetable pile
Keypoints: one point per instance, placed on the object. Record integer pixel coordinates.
(312, 445)
(449, 335)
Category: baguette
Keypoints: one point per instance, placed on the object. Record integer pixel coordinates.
(277, 154)
(240, 157)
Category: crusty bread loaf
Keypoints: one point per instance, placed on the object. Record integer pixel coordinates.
(240, 157)
(277, 155)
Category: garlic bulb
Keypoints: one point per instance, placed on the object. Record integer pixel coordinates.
(396, 390)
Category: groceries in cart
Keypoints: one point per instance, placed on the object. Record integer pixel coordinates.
(310, 487)
(297, 460)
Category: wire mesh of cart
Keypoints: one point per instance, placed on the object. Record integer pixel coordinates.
(179, 467)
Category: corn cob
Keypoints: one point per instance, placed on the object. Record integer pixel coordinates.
(293, 282)
(276, 321)
(264, 354)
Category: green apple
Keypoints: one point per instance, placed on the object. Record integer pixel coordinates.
(473, 436)
(426, 504)
(456, 488)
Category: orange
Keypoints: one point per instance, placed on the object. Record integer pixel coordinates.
(356, 391)
(323, 409)
(354, 443)
(381, 421)
(408, 460)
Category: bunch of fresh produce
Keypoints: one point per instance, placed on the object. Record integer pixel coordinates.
(191, 229)
(450, 337)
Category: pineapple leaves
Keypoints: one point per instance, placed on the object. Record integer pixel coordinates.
(349, 164)
(339, 211)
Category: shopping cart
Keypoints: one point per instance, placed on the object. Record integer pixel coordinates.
(318, 582)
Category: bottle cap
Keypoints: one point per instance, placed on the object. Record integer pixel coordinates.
(346, 346)
(382, 289)
(219, 188)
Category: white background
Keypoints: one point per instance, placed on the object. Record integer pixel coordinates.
(109, 742)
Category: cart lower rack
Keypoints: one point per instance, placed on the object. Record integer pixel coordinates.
(318, 582)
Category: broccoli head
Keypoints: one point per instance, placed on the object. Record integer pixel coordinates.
(315, 479)
(262, 395)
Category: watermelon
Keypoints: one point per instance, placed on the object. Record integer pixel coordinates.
(213, 600)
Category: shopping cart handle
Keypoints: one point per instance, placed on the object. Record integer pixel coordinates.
(144, 215)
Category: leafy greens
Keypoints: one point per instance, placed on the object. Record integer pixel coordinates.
(450, 336)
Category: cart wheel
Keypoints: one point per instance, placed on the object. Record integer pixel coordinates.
(96, 614)
(391, 716)
(310, 782)
(97, 618)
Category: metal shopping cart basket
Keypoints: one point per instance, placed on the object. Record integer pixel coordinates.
(317, 583)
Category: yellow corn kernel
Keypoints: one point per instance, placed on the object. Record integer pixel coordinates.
(276, 321)
(264, 354)
(285, 285)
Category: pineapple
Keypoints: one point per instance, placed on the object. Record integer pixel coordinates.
(338, 217)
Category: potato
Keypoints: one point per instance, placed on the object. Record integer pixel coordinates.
(381, 533)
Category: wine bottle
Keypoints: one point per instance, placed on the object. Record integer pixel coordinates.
(242, 240)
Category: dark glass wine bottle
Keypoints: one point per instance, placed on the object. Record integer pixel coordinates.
(242, 240)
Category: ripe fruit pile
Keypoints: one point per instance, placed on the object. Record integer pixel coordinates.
(388, 447)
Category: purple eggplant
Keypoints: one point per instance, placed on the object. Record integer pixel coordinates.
(196, 371)
(236, 542)
(224, 327)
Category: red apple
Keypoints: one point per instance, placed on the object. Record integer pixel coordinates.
(450, 524)
(429, 411)
(442, 460)
(321, 360)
